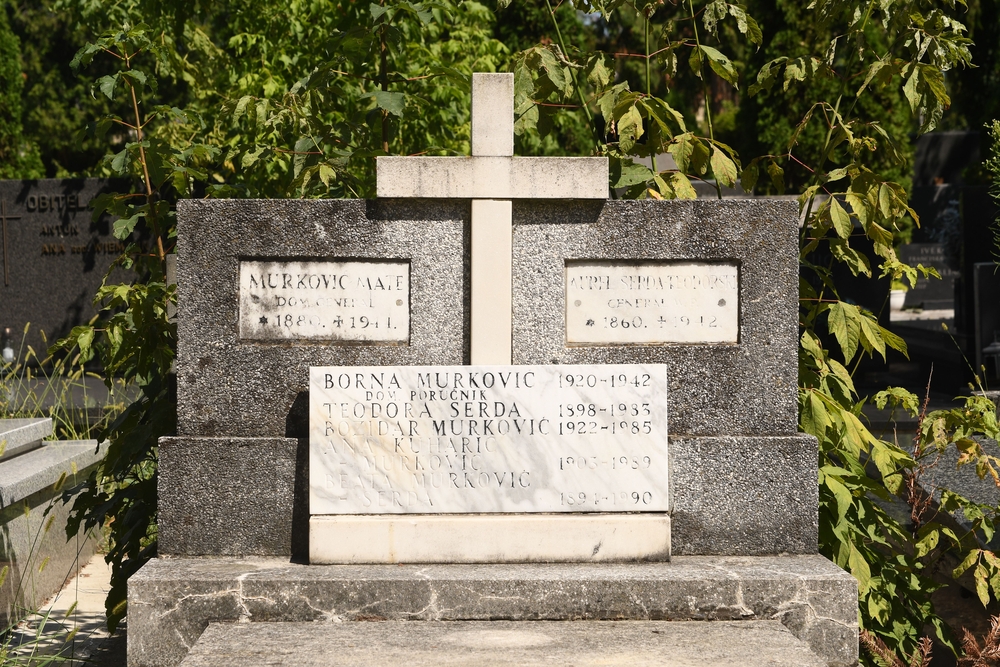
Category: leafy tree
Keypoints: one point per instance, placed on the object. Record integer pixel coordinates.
(17, 158)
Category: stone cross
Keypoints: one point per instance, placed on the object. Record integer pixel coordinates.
(491, 177)
(4, 218)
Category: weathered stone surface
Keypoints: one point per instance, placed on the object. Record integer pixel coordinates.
(492, 121)
(25, 543)
(233, 388)
(500, 538)
(746, 495)
(41, 468)
(233, 497)
(493, 177)
(250, 496)
(251, 389)
(20, 435)
(715, 389)
(172, 601)
(503, 643)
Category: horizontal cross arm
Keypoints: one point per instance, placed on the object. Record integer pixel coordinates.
(481, 177)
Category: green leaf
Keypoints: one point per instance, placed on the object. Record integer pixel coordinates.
(860, 569)
(982, 584)
(777, 175)
(966, 563)
(690, 153)
(107, 85)
(681, 185)
(872, 71)
(841, 221)
(388, 100)
(723, 168)
(841, 494)
(747, 25)
(720, 64)
(749, 177)
(871, 336)
(810, 343)
(844, 322)
(119, 164)
(926, 544)
(241, 107)
(894, 341)
(326, 174)
(557, 72)
(598, 73)
(885, 200)
(124, 227)
(629, 128)
(814, 417)
(625, 173)
(694, 62)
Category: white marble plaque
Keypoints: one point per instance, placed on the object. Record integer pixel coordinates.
(325, 300)
(471, 439)
(651, 302)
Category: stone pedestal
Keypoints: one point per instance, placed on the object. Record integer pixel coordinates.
(172, 600)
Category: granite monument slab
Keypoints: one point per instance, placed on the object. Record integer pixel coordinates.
(53, 255)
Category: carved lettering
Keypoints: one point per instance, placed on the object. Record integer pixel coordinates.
(364, 301)
(488, 439)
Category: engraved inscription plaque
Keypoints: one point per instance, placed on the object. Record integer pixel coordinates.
(613, 303)
(456, 439)
(363, 301)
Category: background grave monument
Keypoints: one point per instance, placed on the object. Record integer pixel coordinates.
(54, 257)
(741, 496)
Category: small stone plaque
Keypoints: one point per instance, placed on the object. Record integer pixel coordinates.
(460, 439)
(362, 301)
(610, 303)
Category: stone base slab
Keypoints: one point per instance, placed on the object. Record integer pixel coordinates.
(489, 538)
(503, 644)
(172, 600)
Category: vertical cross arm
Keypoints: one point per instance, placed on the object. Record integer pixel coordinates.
(491, 177)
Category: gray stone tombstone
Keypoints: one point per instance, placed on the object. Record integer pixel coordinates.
(53, 256)
(930, 293)
(705, 291)
(986, 337)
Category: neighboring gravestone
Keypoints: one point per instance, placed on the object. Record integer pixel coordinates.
(701, 297)
(986, 287)
(53, 256)
(929, 293)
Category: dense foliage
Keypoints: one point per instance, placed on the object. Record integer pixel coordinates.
(17, 157)
(277, 99)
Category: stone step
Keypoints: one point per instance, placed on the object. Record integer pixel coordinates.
(503, 644)
(172, 600)
(41, 468)
(22, 435)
